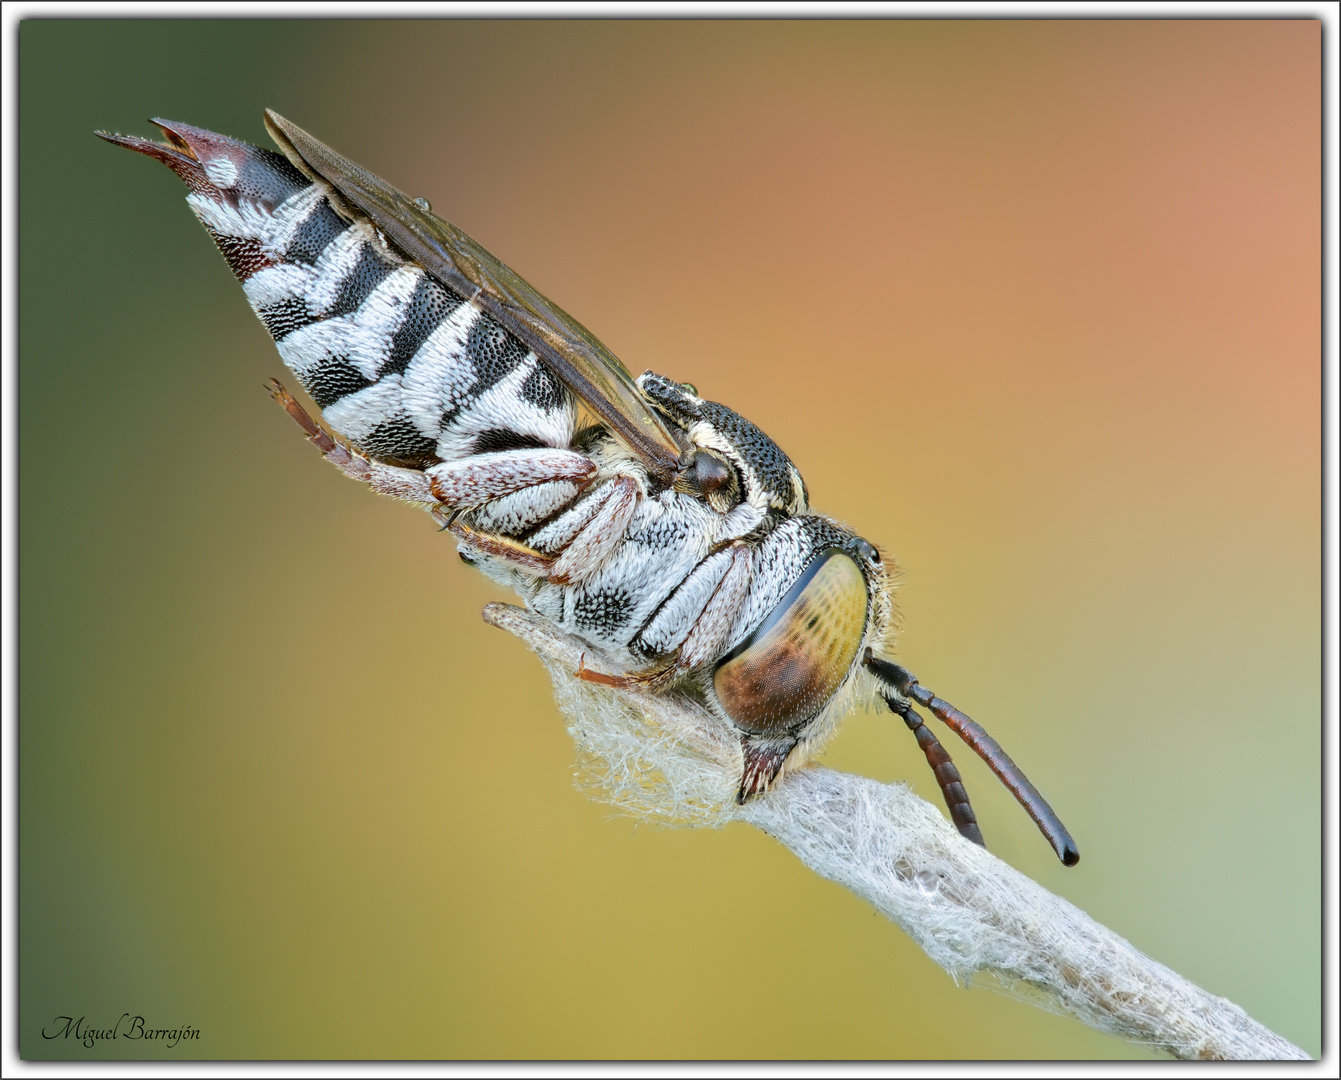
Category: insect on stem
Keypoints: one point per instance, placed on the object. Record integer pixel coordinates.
(656, 506)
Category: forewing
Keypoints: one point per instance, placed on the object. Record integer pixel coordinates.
(570, 350)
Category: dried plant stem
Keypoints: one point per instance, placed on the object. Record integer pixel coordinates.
(666, 758)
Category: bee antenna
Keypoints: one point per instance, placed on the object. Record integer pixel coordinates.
(947, 775)
(906, 686)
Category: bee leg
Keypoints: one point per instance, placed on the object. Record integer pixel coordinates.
(482, 478)
(523, 511)
(415, 486)
(705, 642)
(408, 484)
(707, 637)
(514, 552)
(652, 679)
(906, 686)
(763, 762)
(952, 785)
(511, 492)
(600, 535)
(708, 629)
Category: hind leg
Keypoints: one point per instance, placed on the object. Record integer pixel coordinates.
(508, 493)
(408, 484)
(459, 485)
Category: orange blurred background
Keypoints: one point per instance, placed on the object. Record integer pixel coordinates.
(1034, 305)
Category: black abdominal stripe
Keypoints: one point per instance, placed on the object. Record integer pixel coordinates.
(401, 366)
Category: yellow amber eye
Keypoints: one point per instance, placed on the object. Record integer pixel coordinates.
(786, 672)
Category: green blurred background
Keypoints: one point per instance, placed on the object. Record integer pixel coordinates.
(1033, 305)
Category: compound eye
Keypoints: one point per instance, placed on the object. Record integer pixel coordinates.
(717, 480)
(787, 670)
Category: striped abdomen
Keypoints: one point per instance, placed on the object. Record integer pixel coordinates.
(402, 366)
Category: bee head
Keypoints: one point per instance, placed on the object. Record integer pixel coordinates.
(729, 461)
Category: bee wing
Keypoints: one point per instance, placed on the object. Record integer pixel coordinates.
(567, 347)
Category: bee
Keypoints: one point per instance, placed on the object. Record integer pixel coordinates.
(666, 532)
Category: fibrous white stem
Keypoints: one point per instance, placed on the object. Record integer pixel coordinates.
(666, 758)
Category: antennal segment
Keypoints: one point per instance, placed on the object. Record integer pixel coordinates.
(947, 775)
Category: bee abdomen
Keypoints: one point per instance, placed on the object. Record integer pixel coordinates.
(314, 233)
(400, 364)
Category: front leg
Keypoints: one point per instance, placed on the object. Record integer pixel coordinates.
(691, 631)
